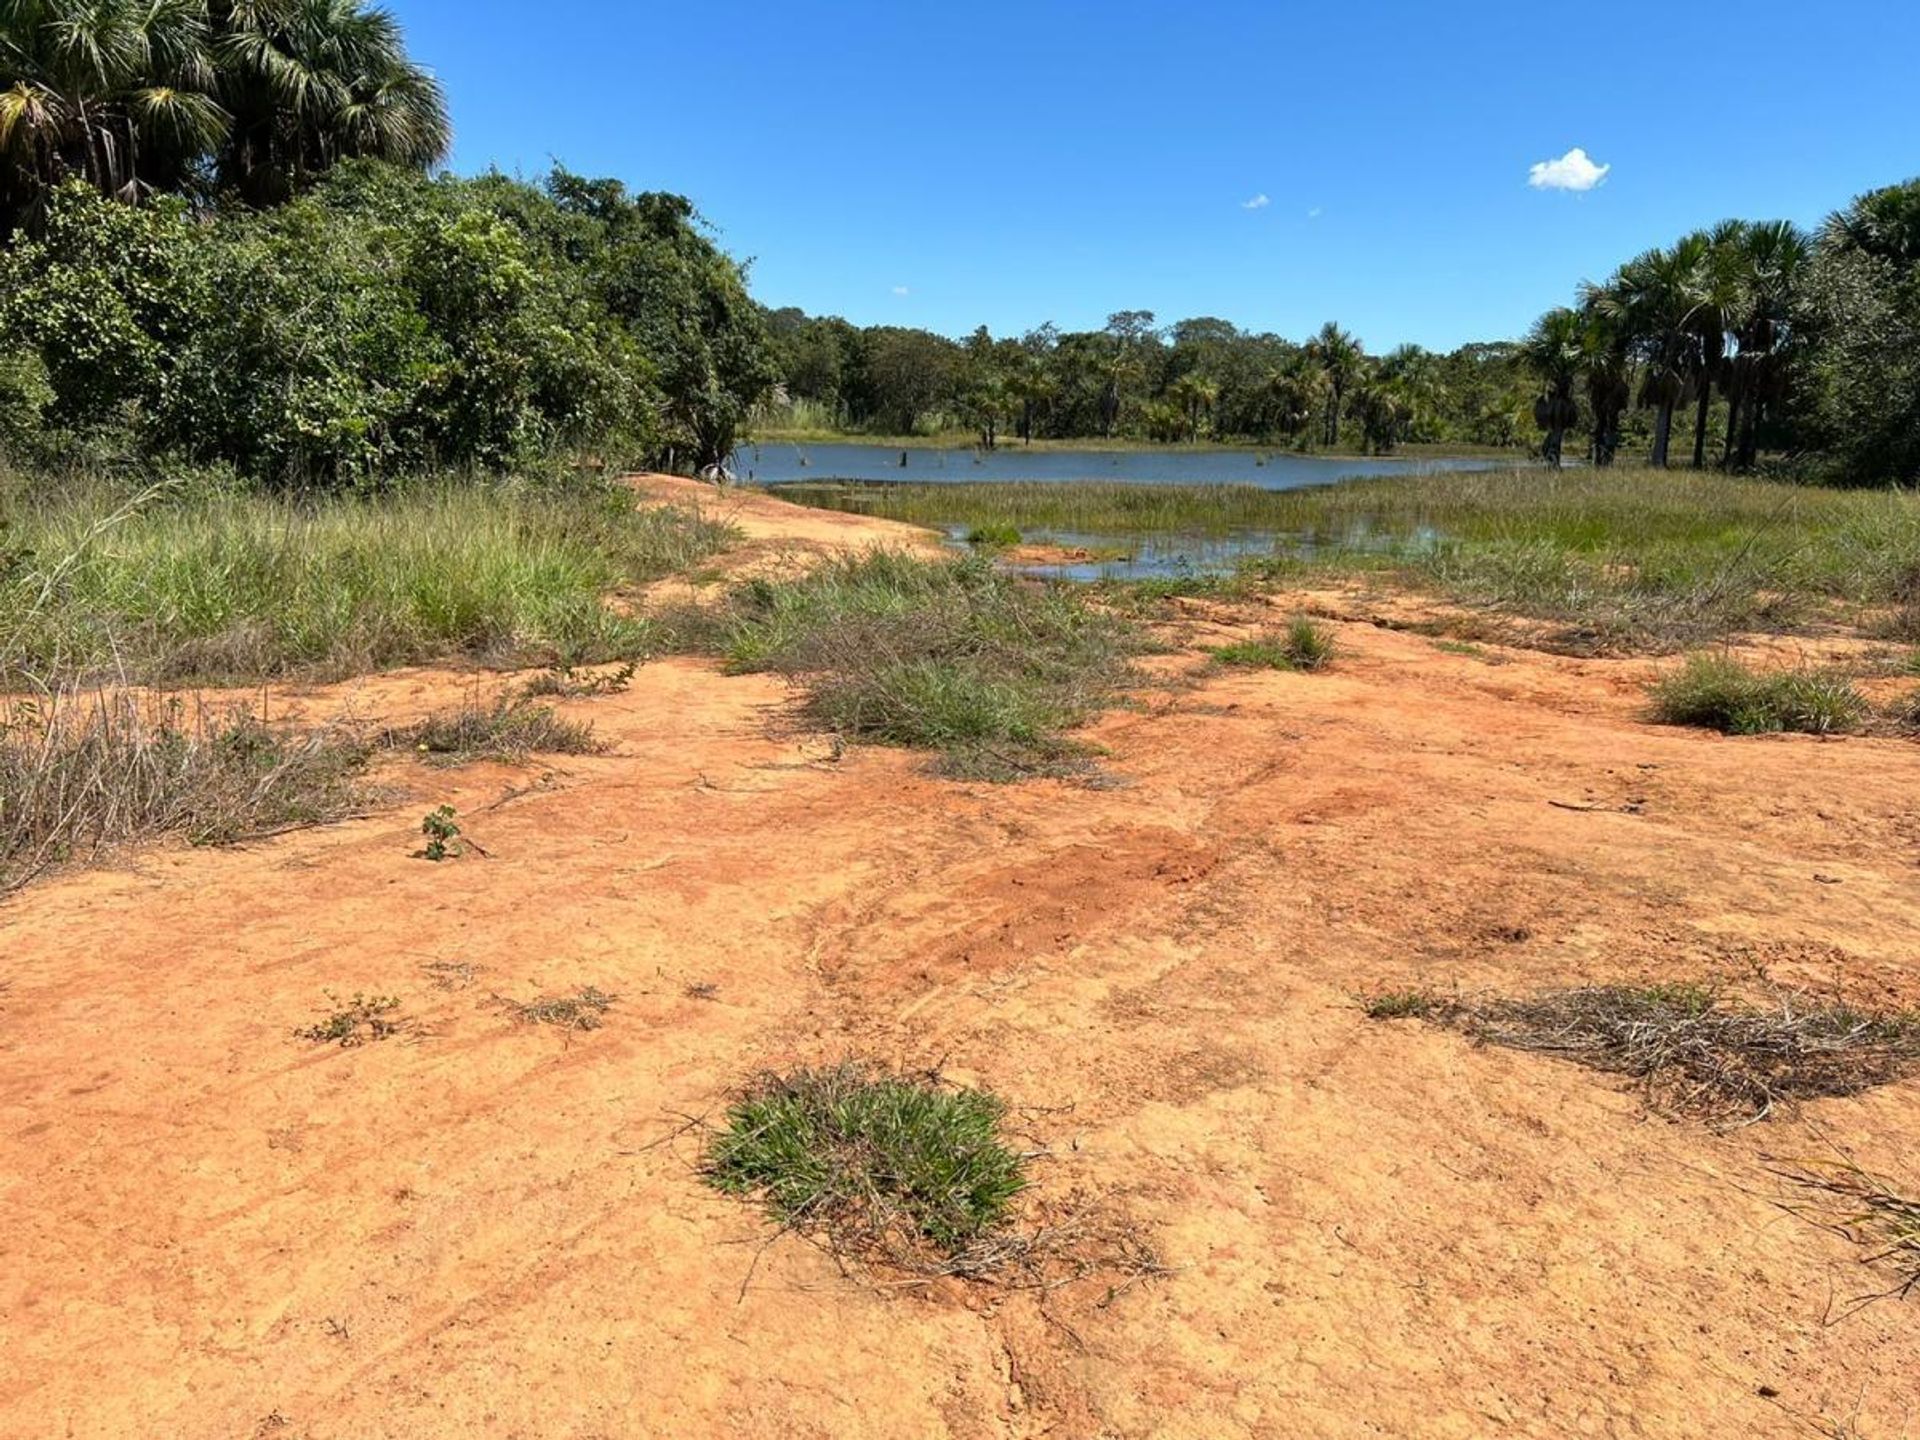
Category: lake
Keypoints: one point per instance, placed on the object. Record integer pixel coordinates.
(766, 464)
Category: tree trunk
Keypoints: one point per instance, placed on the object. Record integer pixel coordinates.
(1733, 429)
(1551, 450)
(1662, 432)
(1700, 425)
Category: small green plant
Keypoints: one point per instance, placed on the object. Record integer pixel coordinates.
(1302, 646)
(573, 683)
(1719, 693)
(442, 832)
(362, 1019)
(1400, 1005)
(992, 536)
(874, 1162)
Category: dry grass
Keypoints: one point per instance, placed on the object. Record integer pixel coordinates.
(584, 1009)
(506, 730)
(1868, 1210)
(82, 775)
(1692, 1054)
(359, 1021)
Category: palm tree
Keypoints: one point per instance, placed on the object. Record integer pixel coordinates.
(1338, 355)
(1655, 297)
(1771, 257)
(1609, 376)
(1884, 223)
(1555, 350)
(1295, 392)
(1195, 396)
(309, 82)
(114, 92)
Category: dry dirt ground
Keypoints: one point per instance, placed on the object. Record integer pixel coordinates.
(484, 1228)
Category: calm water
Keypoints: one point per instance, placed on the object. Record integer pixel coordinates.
(771, 463)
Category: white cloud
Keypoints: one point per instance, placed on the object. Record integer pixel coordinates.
(1315, 213)
(1258, 202)
(1574, 170)
(901, 290)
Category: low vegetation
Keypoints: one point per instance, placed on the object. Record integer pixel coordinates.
(1691, 1051)
(84, 775)
(1720, 693)
(506, 730)
(442, 832)
(1871, 1211)
(877, 1165)
(359, 1021)
(191, 583)
(583, 1009)
(1613, 560)
(1303, 645)
(952, 656)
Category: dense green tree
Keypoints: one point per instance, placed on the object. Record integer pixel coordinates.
(1340, 358)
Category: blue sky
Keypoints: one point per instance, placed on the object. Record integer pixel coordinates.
(1011, 163)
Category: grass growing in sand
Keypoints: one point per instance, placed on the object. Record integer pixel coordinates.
(1691, 1052)
(1625, 558)
(201, 584)
(505, 730)
(81, 776)
(1303, 645)
(1719, 693)
(953, 656)
(870, 1160)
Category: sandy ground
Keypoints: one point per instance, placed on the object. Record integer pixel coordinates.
(479, 1228)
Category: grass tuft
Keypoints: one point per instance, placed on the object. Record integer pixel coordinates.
(81, 776)
(1720, 693)
(1401, 1005)
(994, 536)
(953, 656)
(1303, 645)
(875, 1163)
(507, 730)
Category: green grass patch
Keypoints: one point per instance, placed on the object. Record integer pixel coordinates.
(947, 655)
(1303, 645)
(994, 536)
(1720, 693)
(211, 586)
(875, 1163)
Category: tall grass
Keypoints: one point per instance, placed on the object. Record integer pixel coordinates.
(1631, 558)
(210, 586)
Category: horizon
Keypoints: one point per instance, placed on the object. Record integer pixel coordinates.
(1273, 207)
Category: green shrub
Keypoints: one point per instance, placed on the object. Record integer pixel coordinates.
(1720, 693)
(870, 1159)
(994, 536)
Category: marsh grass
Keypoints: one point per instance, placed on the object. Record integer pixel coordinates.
(953, 656)
(1720, 693)
(207, 585)
(506, 730)
(82, 776)
(1691, 1052)
(877, 1163)
(1621, 559)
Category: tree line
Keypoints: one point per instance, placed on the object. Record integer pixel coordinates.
(221, 238)
(1768, 339)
